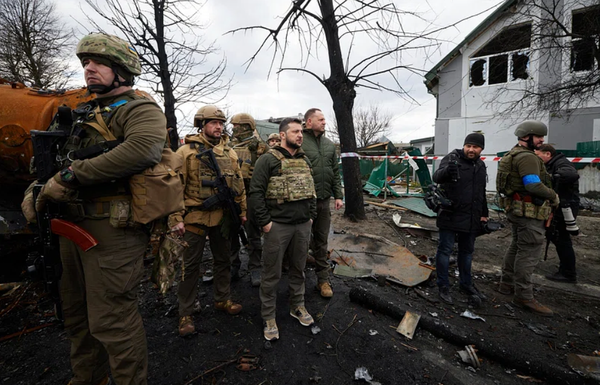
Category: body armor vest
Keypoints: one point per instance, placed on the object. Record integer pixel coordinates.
(199, 171)
(508, 180)
(295, 182)
(248, 152)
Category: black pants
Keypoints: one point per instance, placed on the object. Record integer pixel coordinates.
(564, 246)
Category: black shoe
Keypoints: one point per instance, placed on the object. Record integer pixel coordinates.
(560, 277)
(472, 290)
(445, 295)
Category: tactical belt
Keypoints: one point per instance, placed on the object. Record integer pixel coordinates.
(97, 208)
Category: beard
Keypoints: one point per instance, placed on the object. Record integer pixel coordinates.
(293, 145)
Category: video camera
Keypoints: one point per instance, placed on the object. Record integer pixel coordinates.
(436, 200)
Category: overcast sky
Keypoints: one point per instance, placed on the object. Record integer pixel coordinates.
(291, 93)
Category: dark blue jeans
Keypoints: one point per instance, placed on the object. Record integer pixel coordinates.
(466, 245)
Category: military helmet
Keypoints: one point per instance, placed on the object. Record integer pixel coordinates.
(531, 127)
(274, 136)
(244, 118)
(208, 112)
(111, 48)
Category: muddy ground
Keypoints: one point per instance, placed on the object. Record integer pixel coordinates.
(351, 335)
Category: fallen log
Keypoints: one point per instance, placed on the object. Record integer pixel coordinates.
(520, 360)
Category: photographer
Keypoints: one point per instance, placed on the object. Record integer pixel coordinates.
(462, 175)
(565, 181)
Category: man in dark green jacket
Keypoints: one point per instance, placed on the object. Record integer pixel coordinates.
(282, 195)
(323, 157)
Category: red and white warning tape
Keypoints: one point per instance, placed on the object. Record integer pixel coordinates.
(436, 157)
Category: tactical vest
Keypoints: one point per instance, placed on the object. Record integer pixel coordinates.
(509, 184)
(295, 182)
(152, 194)
(199, 171)
(88, 138)
(248, 152)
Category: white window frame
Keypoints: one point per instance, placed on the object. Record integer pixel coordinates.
(509, 67)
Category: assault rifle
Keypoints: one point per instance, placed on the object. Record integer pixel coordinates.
(45, 262)
(225, 197)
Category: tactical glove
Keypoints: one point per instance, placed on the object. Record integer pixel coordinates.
(28, 208)
(56, 190)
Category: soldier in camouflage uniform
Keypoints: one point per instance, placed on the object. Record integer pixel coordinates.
(282, 195)
(99, 286)
(527, 197)
(274, 140)
(202, 220)
(248, 146)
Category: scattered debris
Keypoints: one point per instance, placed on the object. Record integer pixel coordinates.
(471, 315)
(469, 356)
(416, 229)
(378, 254)
(315, 329)
(510, 308)
(540, 329)
(348, 271)
(433, 314)
(363, 374)
(247, 362)
(12, 286)
(373, 332)
(408, 324)
(587, 366)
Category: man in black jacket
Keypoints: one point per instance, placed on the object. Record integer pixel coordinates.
(463, 176)
(565, 181)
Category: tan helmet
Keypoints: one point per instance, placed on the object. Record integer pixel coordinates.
(274, 136)
(208, 112)
(244, 118)
(111, 48)
(531, 127)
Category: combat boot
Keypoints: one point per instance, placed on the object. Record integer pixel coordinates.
(325, 289)
(229, 306)
(533, 306)
(186, 326)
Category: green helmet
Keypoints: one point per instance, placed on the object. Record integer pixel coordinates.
(111, 48)
(246, 126)
(244, 118)
(531, 127)
(208, 112)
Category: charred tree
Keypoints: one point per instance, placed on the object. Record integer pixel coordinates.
(334, 26)
(174, 56)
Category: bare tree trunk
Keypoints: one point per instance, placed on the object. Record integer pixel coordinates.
(343, 94)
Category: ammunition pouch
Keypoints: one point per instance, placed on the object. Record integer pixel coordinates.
(529, 208)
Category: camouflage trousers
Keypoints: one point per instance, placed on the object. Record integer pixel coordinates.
(99, 293)
(523, 254)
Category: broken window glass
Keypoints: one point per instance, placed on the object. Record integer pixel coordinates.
(582, 57)
(478, 72)
(586, 29)
(520, 66)
(498, 69)
(504, 58)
